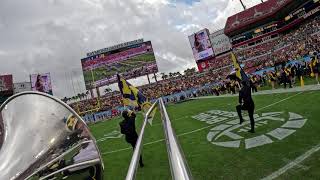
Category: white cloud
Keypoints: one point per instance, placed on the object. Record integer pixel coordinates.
(53, 35)
(2, 53)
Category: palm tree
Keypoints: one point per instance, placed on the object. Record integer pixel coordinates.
(79, 96)
(75, 97)
(174, 74)
(186, 71)
(65, 99)
(170, 74)
(164, 76)
(189, 72)
(83, 95)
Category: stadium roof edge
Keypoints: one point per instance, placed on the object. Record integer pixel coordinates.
(236, 24)
(125, 44)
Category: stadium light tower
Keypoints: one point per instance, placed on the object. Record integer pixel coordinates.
(244, 7)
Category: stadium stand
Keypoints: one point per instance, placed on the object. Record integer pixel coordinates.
(259, 14)
(294, 45)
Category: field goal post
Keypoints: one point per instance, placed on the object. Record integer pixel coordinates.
(97, 107)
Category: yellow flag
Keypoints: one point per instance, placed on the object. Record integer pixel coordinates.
(145, 108)
(236, 66)
(312, 64)
(240, 74)
(131, 96)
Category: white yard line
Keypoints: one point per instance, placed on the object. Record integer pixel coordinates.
(280, 101)
(118, 150)
(178, 119)
(124, 149)
(200, 129)
(293, 163)
(197, 130)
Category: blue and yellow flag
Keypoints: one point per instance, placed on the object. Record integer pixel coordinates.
(240, 74)
(131, 96)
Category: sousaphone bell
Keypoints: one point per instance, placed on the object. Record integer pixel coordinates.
(43, 138)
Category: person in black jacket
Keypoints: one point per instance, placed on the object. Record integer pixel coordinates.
(128, 128)
(246, 103)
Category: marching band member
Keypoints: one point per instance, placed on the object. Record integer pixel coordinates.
(246, 103)
(314, 67)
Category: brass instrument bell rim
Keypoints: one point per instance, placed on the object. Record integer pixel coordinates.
(3, 106)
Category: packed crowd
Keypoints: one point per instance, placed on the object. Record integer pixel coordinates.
(107, 102)
(220, 61)
(256, 51)
(294, 45)
(163, 88)
(282, 75)
(303, 41)
(178, 84)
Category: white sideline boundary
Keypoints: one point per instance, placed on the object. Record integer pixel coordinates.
(200, 129)
(265, 92)
(292, 163)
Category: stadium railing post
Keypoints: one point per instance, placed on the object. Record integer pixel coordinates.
(178, 163)
(131, 174)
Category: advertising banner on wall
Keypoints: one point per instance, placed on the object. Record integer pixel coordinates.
(220, 42)
(201, 45)
(6, 84)
(6, 87)
(41, 83)
(22, 87)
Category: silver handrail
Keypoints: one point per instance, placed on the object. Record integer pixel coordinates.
(131, 174)
(178, 164)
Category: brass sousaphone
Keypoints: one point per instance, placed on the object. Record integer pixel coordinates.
(43, 138)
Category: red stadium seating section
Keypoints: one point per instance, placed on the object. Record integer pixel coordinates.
(254, 14)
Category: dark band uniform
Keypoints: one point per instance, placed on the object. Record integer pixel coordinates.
(246, 103)
(254, 82)
(233, 87)
(128, 128)
(286, 76)
(315, 66)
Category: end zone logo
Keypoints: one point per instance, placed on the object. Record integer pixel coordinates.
(229, 133)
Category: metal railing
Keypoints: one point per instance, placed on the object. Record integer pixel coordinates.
(137, 150)
(178, 164)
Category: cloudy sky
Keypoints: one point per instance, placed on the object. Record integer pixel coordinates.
(38, 36)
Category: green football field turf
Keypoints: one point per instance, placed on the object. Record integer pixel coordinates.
(211, 161)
